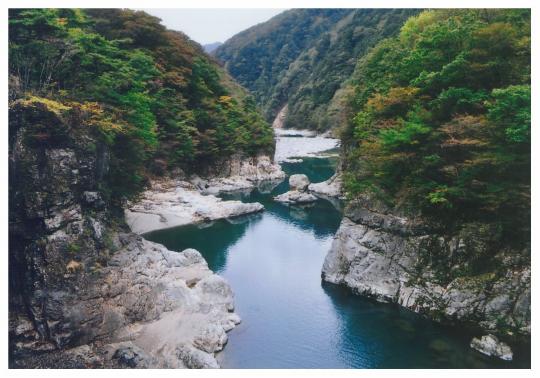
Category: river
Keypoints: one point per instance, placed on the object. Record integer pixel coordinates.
(290, 318)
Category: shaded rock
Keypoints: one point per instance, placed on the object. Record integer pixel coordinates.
(491, 346)
(295, 197)
(93, 199)
(131, 356)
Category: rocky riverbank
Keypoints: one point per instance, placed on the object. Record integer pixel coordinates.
(186, 200)
(84, 291)
(239, 173)
(329, 188)
(171, 203)
(401, 260)
(175, 202)
(150, 307)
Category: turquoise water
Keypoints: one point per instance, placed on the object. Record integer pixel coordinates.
(290, 319)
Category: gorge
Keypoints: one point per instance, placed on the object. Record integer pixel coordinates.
(290, 319)
(158, 220)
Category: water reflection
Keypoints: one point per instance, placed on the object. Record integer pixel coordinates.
(377, 335)
(213, 239)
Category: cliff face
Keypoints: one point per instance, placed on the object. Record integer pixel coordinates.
(405, 261)
(59, 227)
(84, 292)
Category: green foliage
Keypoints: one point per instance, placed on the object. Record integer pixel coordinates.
(407, 135)
(443, 118)
(511, 110)
(158, 100)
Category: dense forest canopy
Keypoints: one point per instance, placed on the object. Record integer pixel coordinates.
(303, 56)
(154, 96)
(443, 119)
(441, 104)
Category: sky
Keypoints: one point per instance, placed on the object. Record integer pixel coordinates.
(212, 25)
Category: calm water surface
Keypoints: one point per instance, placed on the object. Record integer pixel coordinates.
(290, 319)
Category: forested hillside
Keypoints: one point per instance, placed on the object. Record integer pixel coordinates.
(303, 56)
(152, 94)
(443, 121)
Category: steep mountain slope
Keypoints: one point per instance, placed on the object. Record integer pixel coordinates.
(437, 168)
(301, 57)
(163, 102)
(99, 102)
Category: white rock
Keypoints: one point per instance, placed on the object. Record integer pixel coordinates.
(295, 197)
(299, 182)
(176, 203)
(331, 187)
(377, 254)
(164, 309)
(291, 160)
(491, 346)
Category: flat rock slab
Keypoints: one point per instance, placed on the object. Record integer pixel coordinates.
(295, 197)
(177, 203)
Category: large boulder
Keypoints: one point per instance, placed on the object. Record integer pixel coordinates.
(299, 182)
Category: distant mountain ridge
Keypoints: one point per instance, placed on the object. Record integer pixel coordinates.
(302, 57)
(210, 47)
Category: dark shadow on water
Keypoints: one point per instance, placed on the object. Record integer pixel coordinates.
(394, 337)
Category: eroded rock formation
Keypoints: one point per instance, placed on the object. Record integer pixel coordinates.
(84, 290)
(396, 259)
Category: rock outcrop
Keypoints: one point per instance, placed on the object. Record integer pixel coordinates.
(150, 307)
(299, 182)
(298, 193)
(329, 188)
(84, 291)
(170, 203)
(491, 346)
(239, 173)
(295, 197)
(280, 118)
(400, 260)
